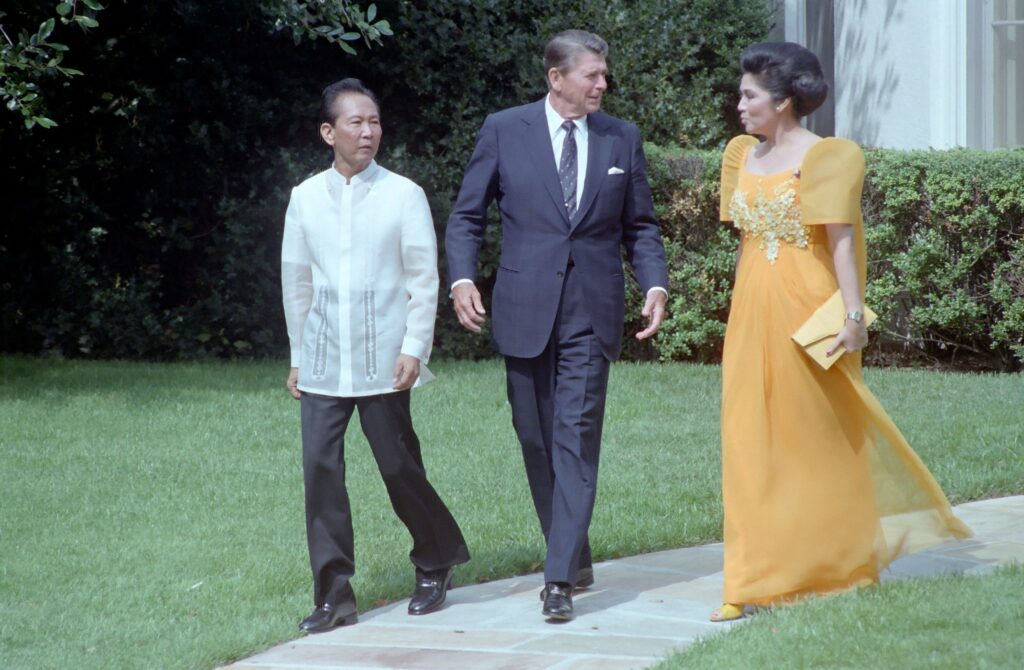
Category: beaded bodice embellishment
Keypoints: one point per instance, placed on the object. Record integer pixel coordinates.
(771, 218)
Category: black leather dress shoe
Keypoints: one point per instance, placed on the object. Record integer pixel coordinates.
(584, 580)
(431, 590)
(328, 616)
(558, 603)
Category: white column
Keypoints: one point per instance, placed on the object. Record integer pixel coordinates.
(796, 21)
(948, 66)
(884, 78)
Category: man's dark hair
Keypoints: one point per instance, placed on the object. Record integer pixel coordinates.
(563, 49)
(328, 108)
(787, 70)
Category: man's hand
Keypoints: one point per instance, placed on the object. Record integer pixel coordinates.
(654, 312)
(293, 380)
(469, 306)
(407, 371)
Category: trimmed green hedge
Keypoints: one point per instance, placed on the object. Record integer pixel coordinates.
(945, 235)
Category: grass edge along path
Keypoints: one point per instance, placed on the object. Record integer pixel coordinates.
(949, 622)
(152, 513)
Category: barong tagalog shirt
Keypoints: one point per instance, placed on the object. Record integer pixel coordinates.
(359, 280)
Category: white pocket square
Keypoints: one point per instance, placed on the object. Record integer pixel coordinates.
(615, 170)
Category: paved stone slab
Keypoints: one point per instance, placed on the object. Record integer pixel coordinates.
(420, 637)
(325, 657)
(925, 564)
(706, 589)
(601, 644)
(989, 552)
(638, 579)
(598, 663)
(994, 518)
(641, 608)
(700, 560)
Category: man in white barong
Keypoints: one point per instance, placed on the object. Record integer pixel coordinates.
(359, 283)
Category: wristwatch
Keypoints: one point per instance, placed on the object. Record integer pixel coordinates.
(855, 315)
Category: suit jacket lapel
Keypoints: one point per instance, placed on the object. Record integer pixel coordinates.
(599, 148)
(538, 145)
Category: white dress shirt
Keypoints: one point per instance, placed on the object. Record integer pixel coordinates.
(358, 279)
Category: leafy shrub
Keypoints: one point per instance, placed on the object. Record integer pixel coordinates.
(674, 69)
(148, 223)
(179, 145)
(675, 65)
(945, 235)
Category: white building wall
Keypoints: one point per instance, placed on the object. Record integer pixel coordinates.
(900, 70)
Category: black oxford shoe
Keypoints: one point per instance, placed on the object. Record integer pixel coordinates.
(328, 616)
(584, 580)
(431, 590)
(558, 603)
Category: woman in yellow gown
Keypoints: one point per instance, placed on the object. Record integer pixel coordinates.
(820, 489)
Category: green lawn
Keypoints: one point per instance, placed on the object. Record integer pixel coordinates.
(947, 623)
(151, 515)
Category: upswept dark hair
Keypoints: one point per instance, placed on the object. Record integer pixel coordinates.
(328, 110)
(787, 70)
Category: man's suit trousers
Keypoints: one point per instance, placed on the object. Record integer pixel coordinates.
(387, 424)
(558, 401)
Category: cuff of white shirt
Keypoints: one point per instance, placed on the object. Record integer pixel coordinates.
(413, 347)
(296, 356)
(456, 283)
(657, 288)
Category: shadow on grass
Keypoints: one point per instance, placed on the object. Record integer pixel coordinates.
(26, 377)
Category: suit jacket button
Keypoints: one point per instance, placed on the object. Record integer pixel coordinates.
(572, 237)
(559, 274)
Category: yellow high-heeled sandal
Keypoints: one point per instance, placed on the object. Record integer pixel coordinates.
(728, 612)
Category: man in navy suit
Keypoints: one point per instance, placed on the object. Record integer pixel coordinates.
(571, 186)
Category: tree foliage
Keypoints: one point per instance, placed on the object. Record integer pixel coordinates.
(336, 21)
(148, 224)
(674, 70)
(33, 56)
(674, 65)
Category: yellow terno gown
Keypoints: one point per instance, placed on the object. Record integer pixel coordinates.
(821, 491)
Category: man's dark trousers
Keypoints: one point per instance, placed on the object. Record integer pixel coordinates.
(387, 424)
(558, 403)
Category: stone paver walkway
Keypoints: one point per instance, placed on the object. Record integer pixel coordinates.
(641, 608)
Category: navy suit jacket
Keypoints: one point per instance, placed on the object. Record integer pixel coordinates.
(513, 162)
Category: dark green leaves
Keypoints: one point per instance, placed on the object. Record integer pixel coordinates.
(45, 30)
(339, 22)
(30, 58)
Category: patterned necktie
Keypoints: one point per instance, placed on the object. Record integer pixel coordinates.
(567, 169)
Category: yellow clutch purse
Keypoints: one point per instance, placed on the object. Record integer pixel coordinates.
(817, 333)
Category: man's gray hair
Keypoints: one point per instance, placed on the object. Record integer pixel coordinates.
(563, 49)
